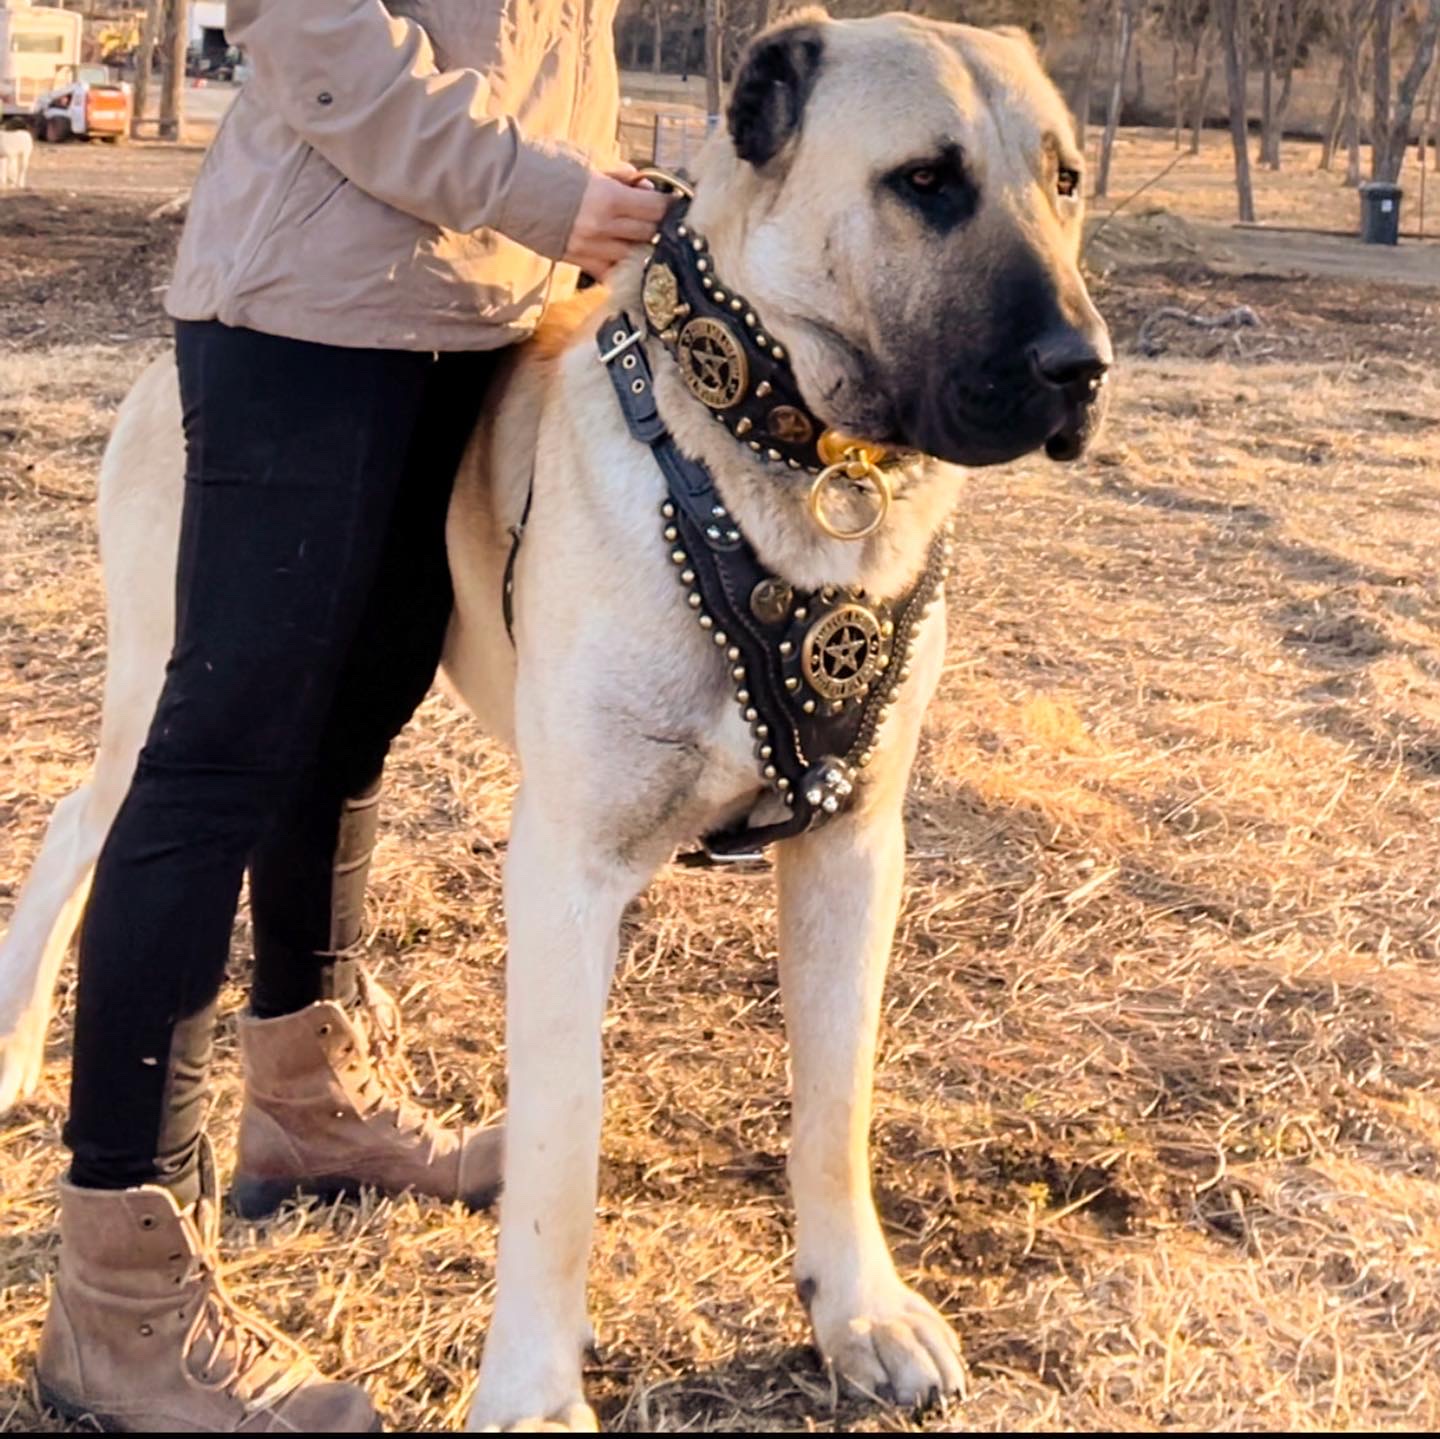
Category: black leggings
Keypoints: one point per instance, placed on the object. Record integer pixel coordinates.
(312, 599)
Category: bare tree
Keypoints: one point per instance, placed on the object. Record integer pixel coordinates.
(1204, 43)
(1302, 15)
(1380, 80)
(1352, 120)
(1391, 122)
(1182, 22)
(1352, 19)
(1430, 130)
(177, 41)
(1282, 54)
(144, 63)
(1330, 133)
(1093, 19)
(1174, 20)
(714, 40)
(1124, 39)
(1269, 54)
(1189, 23)
(1233, 19)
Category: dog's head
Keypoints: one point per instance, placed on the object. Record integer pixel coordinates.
(901, 200)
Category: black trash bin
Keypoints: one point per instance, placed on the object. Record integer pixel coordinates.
(1380, 213)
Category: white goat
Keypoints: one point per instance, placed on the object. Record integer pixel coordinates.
(16, 147)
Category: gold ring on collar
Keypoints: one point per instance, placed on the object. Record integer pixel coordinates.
(858, 466)
(674, 183)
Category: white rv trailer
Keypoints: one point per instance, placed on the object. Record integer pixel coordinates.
(35, 42)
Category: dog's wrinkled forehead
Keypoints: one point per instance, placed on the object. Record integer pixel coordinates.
(875, 93)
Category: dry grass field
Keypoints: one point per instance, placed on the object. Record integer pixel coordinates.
(1158, 1122)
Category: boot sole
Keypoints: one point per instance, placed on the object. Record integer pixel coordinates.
(260, 1198)
(106, 1423)
(77, 1413)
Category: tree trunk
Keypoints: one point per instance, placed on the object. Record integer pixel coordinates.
(1201, 102)
(1267, 77)
(1205, 42)
(1233, 17)
(714, 24)
(1337, 112)
(1422, 132)
(1081, 103)
(145, 63)
(1431, 127)
(1354, 32)
(177, 41)
(1298, 16)
(1352, 125)
(1176, 89)
(1396, 135)
(1277, 124)
(1380, 115)
(657, 55)
(1124, 37)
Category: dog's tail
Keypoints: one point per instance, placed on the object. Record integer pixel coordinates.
(141, 486)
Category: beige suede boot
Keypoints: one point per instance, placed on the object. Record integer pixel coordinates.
(141, 1336)
(328, 1110)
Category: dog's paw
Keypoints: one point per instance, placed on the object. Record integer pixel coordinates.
(518, 1398)
(891, 1345)
(576, 1418)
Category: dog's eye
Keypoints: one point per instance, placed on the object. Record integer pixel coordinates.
(938, 188)
(1067, 181)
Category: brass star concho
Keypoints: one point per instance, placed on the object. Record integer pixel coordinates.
(712, 363)
(789, 425)
(842, 652)
(661, 295)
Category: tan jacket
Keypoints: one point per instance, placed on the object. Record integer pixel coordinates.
(400, 176)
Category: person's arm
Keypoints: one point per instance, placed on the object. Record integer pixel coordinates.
(361, 86)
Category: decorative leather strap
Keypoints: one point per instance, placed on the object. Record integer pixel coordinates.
(814, 673)
(727, 359)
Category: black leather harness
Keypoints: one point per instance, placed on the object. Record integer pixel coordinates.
(814, 672)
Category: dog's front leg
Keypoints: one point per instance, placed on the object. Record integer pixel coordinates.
(839, 897)
(563, 910)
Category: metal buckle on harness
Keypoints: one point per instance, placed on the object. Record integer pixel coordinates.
(745, 856)
(706, 858)
(622, 342)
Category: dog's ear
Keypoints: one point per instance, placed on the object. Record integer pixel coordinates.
(767, 103)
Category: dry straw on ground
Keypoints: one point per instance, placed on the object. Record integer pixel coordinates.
(1157, 1116)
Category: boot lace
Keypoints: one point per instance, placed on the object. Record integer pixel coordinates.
(388, 1083)
(235, 1352)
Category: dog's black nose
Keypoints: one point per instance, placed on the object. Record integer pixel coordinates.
(1067, 360)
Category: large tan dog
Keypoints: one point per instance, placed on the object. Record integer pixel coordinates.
(899, 201)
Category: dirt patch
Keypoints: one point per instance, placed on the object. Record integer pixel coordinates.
(82, 269)
(1301, 318)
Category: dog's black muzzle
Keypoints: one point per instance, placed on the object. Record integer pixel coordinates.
(1050, 394)
(1073, 367)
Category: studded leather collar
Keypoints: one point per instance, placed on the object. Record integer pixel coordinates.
(725, 356)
